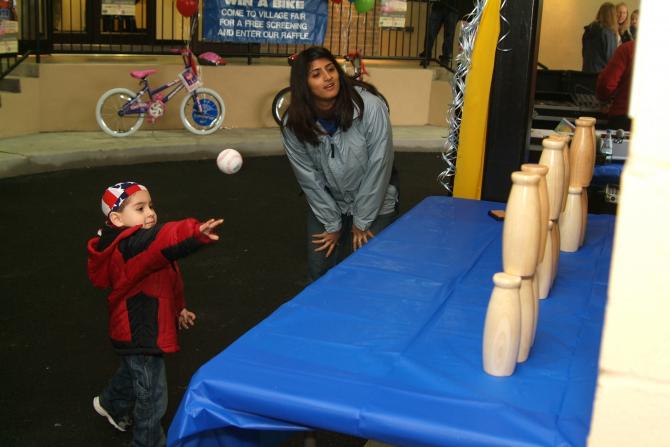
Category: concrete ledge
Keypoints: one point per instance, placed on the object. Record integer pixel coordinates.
(12, 165)
(48, 152)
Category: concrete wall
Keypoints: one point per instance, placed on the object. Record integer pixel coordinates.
(632, 405)
(20, 113)
(64, 97)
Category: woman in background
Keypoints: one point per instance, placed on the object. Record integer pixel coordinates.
(623, 22)
(600, 39)
(634, 19)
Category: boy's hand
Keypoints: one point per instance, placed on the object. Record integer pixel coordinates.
(208, 227)
(186, 319)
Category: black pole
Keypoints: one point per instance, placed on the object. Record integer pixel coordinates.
(37, 30)
(511, 100)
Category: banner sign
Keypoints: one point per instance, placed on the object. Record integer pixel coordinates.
(266, 21)
(392, 14)
(9, 27)
(117, 8)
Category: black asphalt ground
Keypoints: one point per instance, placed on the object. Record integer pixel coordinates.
(53, 325)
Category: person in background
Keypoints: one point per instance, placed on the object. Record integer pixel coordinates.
(614, 83)
(600, 39)
(623, 22)
(634, 19)
(337, 136)
(442, 13)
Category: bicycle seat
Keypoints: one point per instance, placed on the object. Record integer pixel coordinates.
(212, 58)
(141, 74)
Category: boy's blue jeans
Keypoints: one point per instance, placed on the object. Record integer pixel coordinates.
(139, 388)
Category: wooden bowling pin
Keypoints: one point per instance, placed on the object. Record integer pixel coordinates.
(540, 170)
(552, 157)
(536, 307)
(502, 328)
(566, 164)
(521, 228)
(585, 198)
(585, 215)
(566, 180)
(544, 268)
(555, 248)
(592, 124)
(528, 305)
(571, 220)
(582, 154)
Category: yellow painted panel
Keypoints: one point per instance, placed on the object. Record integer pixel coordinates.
(472, 137)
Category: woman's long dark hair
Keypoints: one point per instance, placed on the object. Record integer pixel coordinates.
(302, 112)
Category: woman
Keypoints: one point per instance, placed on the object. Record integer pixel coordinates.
(634, 18)
(623, 21)
(600, 39)
(337, 135)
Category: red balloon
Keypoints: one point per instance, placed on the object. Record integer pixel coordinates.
(187, 7)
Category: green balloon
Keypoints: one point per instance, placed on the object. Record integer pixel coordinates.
(363, 6)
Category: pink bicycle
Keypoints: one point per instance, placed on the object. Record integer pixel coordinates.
(120, 112)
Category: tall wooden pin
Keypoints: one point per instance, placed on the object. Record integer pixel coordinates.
(582, 162)
(521, 247)
(544, 268)
(540, 170)
(552, 157)
(566, 163)
(521, 228)
(582, 154)
(571, 220)
(502, 328)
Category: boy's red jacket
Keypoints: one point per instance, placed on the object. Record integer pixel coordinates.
(147, 290)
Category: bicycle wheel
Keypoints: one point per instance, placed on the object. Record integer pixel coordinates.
(280, 104)
(109, 117)
(209, 118)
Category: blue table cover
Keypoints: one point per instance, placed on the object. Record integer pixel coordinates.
(388, 346)
(607, 174)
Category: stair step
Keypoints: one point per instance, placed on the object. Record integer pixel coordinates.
(10, 85)
(27, 70)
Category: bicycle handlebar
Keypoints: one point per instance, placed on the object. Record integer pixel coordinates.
(180, 50)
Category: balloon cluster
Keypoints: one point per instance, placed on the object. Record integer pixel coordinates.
(362, 6)
(187, 7)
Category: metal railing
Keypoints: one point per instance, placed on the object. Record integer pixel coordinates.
(31, 33)
(79, 26)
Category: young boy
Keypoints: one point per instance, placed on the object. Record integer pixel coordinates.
(136, 258)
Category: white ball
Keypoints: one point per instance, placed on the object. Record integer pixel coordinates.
(229, 161)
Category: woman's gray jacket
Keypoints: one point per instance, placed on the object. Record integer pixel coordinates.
(348, 172)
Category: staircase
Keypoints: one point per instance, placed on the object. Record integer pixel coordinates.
(11, 83)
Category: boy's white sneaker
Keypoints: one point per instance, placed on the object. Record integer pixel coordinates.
(102, 412)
